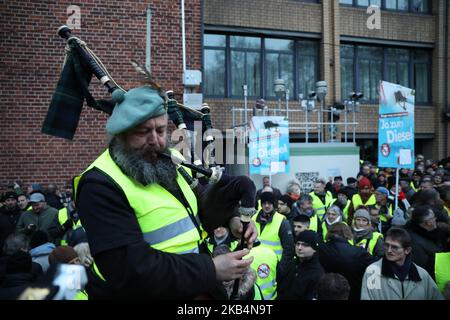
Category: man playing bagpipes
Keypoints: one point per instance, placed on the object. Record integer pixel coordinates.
(144, 222)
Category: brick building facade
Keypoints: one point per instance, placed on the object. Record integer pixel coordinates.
(31, 55)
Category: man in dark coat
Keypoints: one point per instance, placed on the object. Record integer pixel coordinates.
(308, 271)
(18, 276)
(9, 215)
(426, 238)
(339, 256)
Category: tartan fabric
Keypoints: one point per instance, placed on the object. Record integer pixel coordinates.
(67, 101)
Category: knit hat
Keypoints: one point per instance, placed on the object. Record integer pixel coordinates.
(383, 190)
(9, 195)
(18, 262)
(363, 183)
(351, 180)
(310, 237)
(133, 108)
(286, 199)
(63, 254)
(362, 213)
(268, 197)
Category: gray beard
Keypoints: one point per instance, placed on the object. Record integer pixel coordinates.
(134, 165)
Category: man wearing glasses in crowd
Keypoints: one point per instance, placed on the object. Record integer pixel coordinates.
(396, 277)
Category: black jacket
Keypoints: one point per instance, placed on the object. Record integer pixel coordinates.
(303, 279)
(425, 245)
(54, 201)
(8, 222)
(339, 256)
(133, 270)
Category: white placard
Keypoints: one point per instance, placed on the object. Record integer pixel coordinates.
(405, 157)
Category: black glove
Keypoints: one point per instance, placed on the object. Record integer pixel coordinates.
(67, 225)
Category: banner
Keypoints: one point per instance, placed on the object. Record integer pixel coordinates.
(396, 126)
(269, 145)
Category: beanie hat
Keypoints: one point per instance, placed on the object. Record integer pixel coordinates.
(310, 237)
(351, 180)
(362, 213)
(383, 190)
(268, 197)
(18, 262)
(133, 108)
(9, 195)
(363, 183)
(63, 254)
(288, 200)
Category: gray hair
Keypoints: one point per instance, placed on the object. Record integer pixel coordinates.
(15, 242)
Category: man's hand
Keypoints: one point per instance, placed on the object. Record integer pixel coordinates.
(231, 266)
(236, 229)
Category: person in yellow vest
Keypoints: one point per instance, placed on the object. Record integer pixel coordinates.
(66, 222)
(249, 288)
(308, 270)
(221, 236)
(141, 216)
(364, 197)
(385, 206)
(343, 202)
(322, 199)
(364, 236)
(334, 215)
(275, 232)
(304, 205)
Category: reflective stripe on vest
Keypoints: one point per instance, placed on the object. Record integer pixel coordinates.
(269, 236)
(155, 208)
(442, 269)
(318, 205)
(372, 242)
(357, 201)
(265, 266)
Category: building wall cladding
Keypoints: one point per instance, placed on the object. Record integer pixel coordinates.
(289, 15)
(31, 56)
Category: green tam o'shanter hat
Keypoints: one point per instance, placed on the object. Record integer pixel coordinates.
(134, 107)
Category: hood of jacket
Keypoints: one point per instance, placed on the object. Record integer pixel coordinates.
(42, 250)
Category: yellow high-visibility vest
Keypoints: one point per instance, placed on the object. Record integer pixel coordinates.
(265, 266)
(318, 205)
(372, 242)
(269, 236)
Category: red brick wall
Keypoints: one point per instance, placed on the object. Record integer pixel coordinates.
(31, 55)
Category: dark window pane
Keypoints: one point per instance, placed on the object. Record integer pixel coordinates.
(402, 4)
(420, 6)
(214, 40)
(279, 66)
(369, 77)
(245, 69)
(421, 77)
(307, 66)
(214, 77)
(245, 42)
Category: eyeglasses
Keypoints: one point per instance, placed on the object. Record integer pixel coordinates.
(394, 248)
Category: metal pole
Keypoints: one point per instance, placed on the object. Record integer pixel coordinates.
(319, 125)
(354, 125)
(287, 103)
(397, 173)
(306, 119)
(345, 111)
(148, 47)
(331, 125)
(244, 87)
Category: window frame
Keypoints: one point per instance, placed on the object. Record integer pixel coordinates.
(383, 7)
(411, 65)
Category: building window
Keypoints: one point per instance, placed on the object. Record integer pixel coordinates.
(279, 64)
(214, 64)
(362, 67)
(420, 6)
(245, 65)
(230, 61)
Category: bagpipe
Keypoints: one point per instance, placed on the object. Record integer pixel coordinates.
(223, 195)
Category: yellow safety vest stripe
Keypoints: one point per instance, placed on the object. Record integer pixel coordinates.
(442, 269)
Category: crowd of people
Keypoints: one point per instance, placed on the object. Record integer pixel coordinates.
(335, 242)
